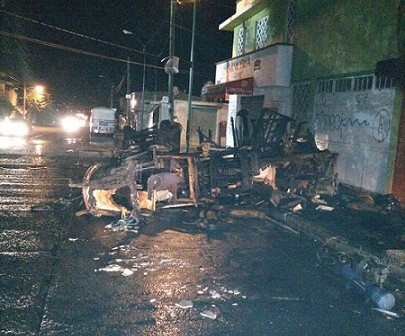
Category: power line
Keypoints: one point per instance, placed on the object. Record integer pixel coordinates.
(88, 53)
(83, 52)
(77, 34)
(75, 50)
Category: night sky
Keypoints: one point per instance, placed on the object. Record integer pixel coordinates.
(78, 50)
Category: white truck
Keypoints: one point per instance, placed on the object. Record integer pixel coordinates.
(103, 120)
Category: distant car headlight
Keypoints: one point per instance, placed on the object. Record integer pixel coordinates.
(72, 124)
(11, 127)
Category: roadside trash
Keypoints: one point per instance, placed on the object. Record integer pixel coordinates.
(386, 312)
(284, 298)
(209, 314)
(116, 268)
(111, 268)
(202, 291)
(214, 294)
(324, 207)
(297, 208)
(180, 205)
(125, 224)
(184, 304)
(247, 213)
(127, 272)
(387, 202)
(318, 200)
(117, 226)
(292, 201)
(382, 298)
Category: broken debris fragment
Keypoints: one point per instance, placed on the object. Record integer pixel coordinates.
(111, 268)
(324, 207)
(127, 272)
(184, 304)
(209, 314)
(387, 312)
(125, 224)
(382, 298)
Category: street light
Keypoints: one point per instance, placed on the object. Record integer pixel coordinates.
(38, 92)
(39, 89)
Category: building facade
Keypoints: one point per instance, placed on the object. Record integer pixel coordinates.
(338, 66)
(8, 94)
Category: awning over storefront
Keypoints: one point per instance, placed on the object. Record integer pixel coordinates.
(218, 91)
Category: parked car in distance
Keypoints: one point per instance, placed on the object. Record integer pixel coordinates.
(16, 127)
(74, 123)
(103, 120)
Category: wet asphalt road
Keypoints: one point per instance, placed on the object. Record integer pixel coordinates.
(67, 275)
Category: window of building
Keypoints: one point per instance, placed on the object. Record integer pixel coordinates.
(355, 84)
(261, 32)
(242, 38)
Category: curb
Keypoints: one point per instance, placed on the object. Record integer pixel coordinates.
(394, 261)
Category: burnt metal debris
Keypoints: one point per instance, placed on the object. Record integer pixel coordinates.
(277, 163)
(120, 186)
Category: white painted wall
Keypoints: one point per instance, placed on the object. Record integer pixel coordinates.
(205, 115)
(358, 126)
(270, 66)
(232, 110)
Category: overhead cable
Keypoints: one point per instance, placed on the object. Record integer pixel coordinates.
(79, 51)
(77, 34)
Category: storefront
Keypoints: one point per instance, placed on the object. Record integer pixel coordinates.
(251, 82)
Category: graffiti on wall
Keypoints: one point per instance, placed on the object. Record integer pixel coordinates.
(381, 125)
(360, 116)
(337, 122)
(357, 126)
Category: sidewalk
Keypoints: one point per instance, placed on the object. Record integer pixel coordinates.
(369, 235)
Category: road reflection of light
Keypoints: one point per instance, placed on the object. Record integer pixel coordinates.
(38, 142)
(172, 284)
(38, 149)
(38, 146)
(12, 142)
(71, 141)
(38, 160)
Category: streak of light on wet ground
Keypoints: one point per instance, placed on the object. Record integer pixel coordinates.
(32, 195)
(254, 278)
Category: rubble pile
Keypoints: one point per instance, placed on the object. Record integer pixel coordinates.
(277, 166)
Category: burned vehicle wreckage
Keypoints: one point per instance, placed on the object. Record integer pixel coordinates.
(275, 163)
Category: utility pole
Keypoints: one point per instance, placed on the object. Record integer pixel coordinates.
(112, 96)
(190, 80)
(143, 86)
(128, 89)
(25, 100)
(171, 54)
(128, 32)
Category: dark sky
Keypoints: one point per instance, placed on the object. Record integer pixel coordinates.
(77, 47)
